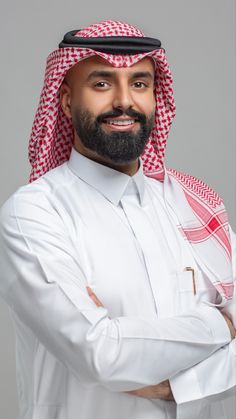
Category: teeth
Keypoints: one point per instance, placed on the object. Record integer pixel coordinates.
(119, 122)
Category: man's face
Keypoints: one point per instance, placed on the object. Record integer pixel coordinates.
(112, 109)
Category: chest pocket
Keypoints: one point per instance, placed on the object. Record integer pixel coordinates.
(193, 288)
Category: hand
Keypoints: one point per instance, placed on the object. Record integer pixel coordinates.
(95, 299)
(158, 391)
(93, 296)
(230, 325)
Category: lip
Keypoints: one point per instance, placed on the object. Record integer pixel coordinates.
(120, 127)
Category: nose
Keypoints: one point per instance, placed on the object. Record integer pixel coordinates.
(123, 97)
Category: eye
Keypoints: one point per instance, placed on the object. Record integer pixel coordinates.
(140, 84)
(101, 84)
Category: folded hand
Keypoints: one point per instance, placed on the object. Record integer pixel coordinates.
(158, 391)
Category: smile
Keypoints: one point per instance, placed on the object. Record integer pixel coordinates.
(119, 122)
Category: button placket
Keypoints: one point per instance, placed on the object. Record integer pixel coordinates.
(153, 256)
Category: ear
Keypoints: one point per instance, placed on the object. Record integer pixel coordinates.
(65, 99)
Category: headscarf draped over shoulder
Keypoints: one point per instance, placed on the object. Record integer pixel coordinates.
(200, 211)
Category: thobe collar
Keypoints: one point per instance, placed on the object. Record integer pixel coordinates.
(109, 182)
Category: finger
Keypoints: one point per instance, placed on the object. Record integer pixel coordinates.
(133, 392)
(160, 391)
(230, 325)
(145, 392)
(93, 296)
(136, 393)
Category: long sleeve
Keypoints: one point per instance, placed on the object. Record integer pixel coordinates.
(42, 280)
(215, 377)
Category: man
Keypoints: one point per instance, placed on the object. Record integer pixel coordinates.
(118, 271)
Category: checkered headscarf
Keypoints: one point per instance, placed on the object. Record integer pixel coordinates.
(202, 216)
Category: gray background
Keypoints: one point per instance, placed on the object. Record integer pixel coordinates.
(199, 37)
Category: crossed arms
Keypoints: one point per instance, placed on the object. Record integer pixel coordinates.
(162, 390)
(43, 282)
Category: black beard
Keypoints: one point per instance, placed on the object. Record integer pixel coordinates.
(119, 147)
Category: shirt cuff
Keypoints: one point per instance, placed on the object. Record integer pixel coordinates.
(218, 325)
(185, 385)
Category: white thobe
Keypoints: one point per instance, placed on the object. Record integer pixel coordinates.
(82, 224)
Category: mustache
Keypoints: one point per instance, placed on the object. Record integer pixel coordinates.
(118, 112)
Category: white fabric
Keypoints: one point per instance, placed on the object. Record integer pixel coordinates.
(84, 223)
(207, 228)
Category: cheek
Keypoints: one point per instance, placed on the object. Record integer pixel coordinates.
(95, 102)
(146, 104)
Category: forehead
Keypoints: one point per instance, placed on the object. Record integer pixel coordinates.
(95, 63)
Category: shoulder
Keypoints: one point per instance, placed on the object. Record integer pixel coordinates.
(39, 196)
(196, 188)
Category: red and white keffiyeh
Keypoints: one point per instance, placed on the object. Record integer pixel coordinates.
(201, 212)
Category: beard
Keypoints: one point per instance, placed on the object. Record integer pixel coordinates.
(119, 147)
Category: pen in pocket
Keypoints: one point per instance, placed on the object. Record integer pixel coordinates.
(188, 268)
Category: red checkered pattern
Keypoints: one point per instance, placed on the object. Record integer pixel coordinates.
(52, 133)
(225, 289)
(52, 138)
(209, 210)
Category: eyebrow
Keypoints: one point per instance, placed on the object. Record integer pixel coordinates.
(110, 74)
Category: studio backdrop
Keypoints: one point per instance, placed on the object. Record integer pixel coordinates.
(199, 38)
